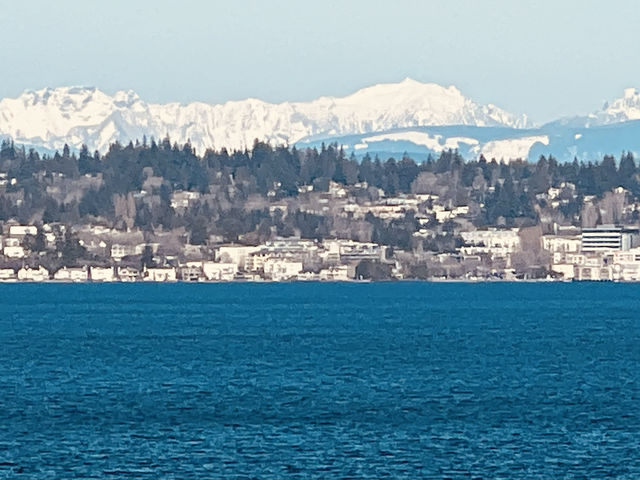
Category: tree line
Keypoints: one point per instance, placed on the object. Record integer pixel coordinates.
(133, 184)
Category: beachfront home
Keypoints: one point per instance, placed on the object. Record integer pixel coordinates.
(280, 270)
(103, 274)
(159, 274)
(128, 274)
(79, 274)
(219, 272)
(7, 274)
(340, 273)
(28, 274)
(191, 272)
(234, 254)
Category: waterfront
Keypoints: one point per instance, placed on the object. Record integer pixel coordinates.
(406, 380)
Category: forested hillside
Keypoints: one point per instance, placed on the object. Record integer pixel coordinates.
(133, 186)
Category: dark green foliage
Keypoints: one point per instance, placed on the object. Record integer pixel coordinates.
(147, 258)
(370, 270)
(71, 249)
(145, 176)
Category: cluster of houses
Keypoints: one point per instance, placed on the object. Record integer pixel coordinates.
(284, 259)
(604, 252)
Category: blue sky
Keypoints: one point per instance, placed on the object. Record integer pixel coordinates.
(544, 58)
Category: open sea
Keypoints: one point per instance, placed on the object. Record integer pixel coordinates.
(309, 380)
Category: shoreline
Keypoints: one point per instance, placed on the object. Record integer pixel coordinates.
(283, 282)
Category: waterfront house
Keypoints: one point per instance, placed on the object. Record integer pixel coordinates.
(234, 254)
(79, 274)
(339, 273)
(280, 270)
(28, 274)
(159, 274)
(128, 274)
(219, 272)
(191, 272)
(102, 274)
(7, 275)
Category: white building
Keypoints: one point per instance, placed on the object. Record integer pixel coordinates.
(7, 274)
(27, 274)
(351, 251)
(191, 272)
(128, 274)
(561, 243)
(159, 274)
(65, 274)
(13, 248)
(182, 199)
(601, 238)
(567, 270)
(340, 273)
(21, 231)
(442, 214)
(118, 251)
(219, 272)
(234, 254)
(627, 265)
(493, 241)
(280, 270)
(103, 274)
(13, 252)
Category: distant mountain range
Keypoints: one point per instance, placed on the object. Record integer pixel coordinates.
(386, 119)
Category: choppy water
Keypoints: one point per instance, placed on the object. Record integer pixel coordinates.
(404, 380)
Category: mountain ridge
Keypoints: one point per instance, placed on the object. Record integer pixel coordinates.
(86, 115)
(49, 118)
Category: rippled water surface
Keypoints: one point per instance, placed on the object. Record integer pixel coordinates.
(407, 380)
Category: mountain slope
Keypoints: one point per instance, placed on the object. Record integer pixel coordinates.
(388, 119)
(78, 115)
(565, 142)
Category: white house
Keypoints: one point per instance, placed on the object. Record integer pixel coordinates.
(219, 272)
(65, 274)
(27, 274)
(280, 270)
(128, 274)
(234, 254)
(338, 273)
(21, 231)
(12, 248)
(493, 241)
(159, 274)
(103, 274)
(7, 274)
(561, 243)
(567, 270)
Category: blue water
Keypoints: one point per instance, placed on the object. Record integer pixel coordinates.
(404, 380)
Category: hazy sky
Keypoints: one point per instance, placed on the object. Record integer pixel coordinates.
(546, 58)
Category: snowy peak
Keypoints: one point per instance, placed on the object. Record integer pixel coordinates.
(429, 104)
(622, 109)
(87, 115)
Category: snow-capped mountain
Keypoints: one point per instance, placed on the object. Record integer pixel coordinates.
(388, 119)
(78, 115)
(609, 131)
(621, 109)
